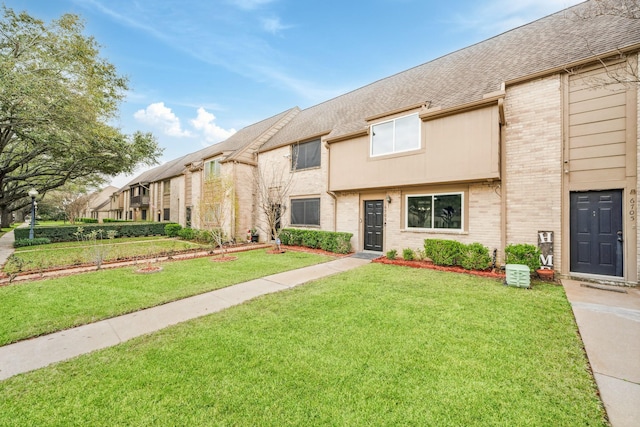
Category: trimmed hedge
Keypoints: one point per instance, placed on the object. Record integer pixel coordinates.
(66, 233)
(31, 242)
(87, 220)
(171, 230)
(115, 220)
(453, 253)
(443, 252)
(523, 253)
(331, 241)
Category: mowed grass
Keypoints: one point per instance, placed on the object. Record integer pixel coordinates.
(76, 253)
(379, 345)
(36, 308)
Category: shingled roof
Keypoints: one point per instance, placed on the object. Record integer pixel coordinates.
(228, 148)
(464, 76)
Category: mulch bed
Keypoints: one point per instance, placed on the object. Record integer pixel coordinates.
(430, 265)
(313, 251)
(224, 258)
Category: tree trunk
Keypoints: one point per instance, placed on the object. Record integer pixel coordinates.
(6, 218)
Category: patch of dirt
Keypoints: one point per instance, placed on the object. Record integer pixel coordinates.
(430, 265)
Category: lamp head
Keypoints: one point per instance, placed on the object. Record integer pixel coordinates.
(33, 192)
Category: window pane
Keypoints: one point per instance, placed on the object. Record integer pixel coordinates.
(419, 212)
(448, 211)
(306, 155)
(382, 139)
(305, 212)
(407, 133)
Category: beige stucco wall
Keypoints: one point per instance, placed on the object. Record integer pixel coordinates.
(454, 148)
(533, 169)
(177, 211)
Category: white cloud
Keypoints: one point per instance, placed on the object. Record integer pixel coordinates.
(273, 25)
(159, 115)
(212, 132)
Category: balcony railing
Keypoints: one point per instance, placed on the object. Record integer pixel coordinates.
(139, 201)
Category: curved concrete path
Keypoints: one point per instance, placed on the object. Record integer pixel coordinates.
(6, 246)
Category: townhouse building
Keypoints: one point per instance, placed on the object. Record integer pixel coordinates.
(527, 137)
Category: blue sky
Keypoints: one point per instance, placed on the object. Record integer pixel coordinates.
(200, 69)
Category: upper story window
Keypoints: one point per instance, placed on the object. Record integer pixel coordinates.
(434, 211)
(166, 187)
(211, 169)
(396, 135)
(305, 155)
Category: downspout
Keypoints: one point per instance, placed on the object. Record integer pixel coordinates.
(503, 178)
(329, 192)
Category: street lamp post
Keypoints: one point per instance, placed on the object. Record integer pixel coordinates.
(33, 193)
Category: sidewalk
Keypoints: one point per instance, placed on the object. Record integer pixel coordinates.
(39, 352)
(608, 319)
(6, 246)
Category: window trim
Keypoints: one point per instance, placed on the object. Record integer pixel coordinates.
(207, 173)
(393, 120)
(291, 202)
(432, 228)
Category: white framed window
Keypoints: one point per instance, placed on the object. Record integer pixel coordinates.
(435, 211)
(305, 211)
(211, 169)
(396, 135)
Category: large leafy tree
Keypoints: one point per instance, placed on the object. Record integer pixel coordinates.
(57, 98)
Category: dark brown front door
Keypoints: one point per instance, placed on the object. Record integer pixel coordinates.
(373, 225)
(596, 232)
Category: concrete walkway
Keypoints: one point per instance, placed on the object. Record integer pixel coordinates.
(608, 319)
(39, 352)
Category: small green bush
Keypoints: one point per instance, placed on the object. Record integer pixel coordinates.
(392, 254)
(87, 220)
(523, 253)
(408, 254)
(331, 241)
(186, 233)
(31, 242)
(475, 257)
(171, 230)
(443, 252)
(105, 220)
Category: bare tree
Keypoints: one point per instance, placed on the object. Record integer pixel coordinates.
(215, 208)
(273, 184)
(620, 68)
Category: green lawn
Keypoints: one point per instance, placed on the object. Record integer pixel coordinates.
(35, 258)
(36, 308)
(380, 345)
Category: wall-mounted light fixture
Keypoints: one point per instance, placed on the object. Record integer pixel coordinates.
(388, 198)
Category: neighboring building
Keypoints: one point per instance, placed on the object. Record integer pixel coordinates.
(521, 137)
(98, 204)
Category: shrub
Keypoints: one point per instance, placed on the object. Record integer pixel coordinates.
(31, 242)
(391, 254)
(68, 233)
(475, 257)
(331, 241)
(523, 253)
(408, 254)
(87, 220)
(443, 252)
(172, 230)
(104, 220)
(186, 233)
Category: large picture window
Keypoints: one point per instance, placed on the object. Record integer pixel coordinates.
(435, 211)
(395, 136)
(305, 211)
(305, 155)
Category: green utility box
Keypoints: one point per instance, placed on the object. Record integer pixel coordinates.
(518, 275)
